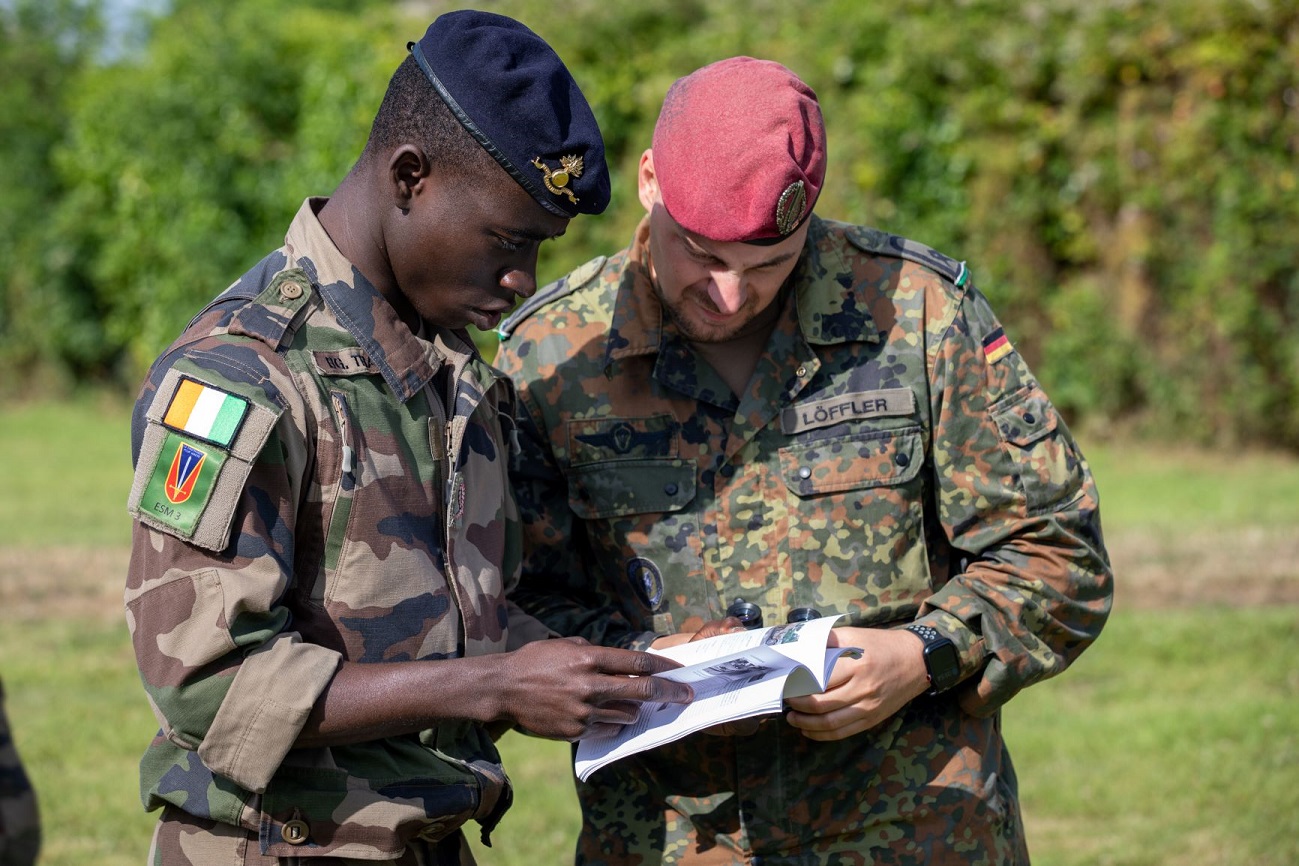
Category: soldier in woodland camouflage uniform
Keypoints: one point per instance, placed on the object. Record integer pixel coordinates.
(754, 403)
(324, 533)
(20, 828)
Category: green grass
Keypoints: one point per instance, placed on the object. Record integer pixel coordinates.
(1174, 740)
(67, 473)
(80, 722)
(1160, 488)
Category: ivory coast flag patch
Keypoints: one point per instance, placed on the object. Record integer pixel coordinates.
(181, 482)
(205, 412)
(996, 346)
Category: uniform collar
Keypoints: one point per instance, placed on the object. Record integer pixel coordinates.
(831, 309)
(828, 307)
(406, 362)
(636, 327)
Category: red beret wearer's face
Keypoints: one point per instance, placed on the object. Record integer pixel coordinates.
(713, 289)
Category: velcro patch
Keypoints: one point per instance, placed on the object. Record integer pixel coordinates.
(205, 412)
(200, 443)
(181, 482)
(847, 407)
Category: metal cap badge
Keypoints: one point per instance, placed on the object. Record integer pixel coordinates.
(513, 94)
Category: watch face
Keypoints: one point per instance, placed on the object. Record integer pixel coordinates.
(944, 664)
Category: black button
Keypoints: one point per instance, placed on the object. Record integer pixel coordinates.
(670, 489)
(1029, 419)
(902, 459)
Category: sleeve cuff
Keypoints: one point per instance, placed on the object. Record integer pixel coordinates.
(265, 709)
(969, 645)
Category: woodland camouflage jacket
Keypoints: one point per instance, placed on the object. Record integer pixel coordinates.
(303, 496)
(893, 459)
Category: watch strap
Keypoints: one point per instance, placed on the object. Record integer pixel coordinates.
(927, 633)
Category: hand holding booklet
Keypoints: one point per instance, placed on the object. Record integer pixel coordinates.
(734, 676)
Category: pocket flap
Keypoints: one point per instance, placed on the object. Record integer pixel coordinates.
(878, 459)
(630, 487)
(1027, 420)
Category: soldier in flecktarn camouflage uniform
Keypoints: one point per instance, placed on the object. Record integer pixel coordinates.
(20, 828)
(324, 532)
(753, 403)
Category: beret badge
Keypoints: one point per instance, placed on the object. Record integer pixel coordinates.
(789, 209)
(556, 180)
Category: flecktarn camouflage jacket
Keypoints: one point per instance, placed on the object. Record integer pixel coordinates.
(303, 496)
(893, 459)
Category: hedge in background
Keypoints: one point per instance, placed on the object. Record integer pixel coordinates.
(1121, 176)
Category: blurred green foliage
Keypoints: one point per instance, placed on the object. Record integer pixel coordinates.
(1121, 176)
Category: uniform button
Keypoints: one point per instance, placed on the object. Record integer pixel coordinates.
(295, 831)
(290, 290)
(1029, 419)
(801, 371)
(670, 489)
(804, 472)
(902, 459)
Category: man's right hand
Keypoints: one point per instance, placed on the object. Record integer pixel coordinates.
(567, 689)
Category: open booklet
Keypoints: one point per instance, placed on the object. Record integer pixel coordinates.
(734, 676)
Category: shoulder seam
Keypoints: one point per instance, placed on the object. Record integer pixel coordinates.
(562, 287)
(884, 243)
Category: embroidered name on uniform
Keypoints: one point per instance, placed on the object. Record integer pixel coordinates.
(844, 407)
(996, 346)
(205, 412)
(349, 362)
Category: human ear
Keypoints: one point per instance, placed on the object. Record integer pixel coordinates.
(408, 168)
(647, 183)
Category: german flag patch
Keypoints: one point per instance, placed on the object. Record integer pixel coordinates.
(996, 346)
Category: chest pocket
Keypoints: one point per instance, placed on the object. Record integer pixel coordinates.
(625, 466)
(855, 538)
(875, 459)
(634, 492)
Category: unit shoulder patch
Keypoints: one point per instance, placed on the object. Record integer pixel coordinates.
(199, 445)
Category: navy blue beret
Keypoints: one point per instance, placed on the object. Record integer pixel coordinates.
(515, 96)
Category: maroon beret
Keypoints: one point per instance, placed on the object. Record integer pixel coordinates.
(739, 151)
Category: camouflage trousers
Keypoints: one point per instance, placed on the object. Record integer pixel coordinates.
(180, 839)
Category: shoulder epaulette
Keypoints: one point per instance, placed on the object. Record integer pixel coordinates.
(882, 243)
(269, 316)
(560, 288)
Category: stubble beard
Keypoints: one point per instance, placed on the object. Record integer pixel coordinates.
(701, 332)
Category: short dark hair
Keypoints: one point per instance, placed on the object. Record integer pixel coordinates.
(413, 113)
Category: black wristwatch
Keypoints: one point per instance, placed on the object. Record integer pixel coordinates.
(942, 661)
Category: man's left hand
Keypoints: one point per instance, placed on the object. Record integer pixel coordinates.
(863, 692)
